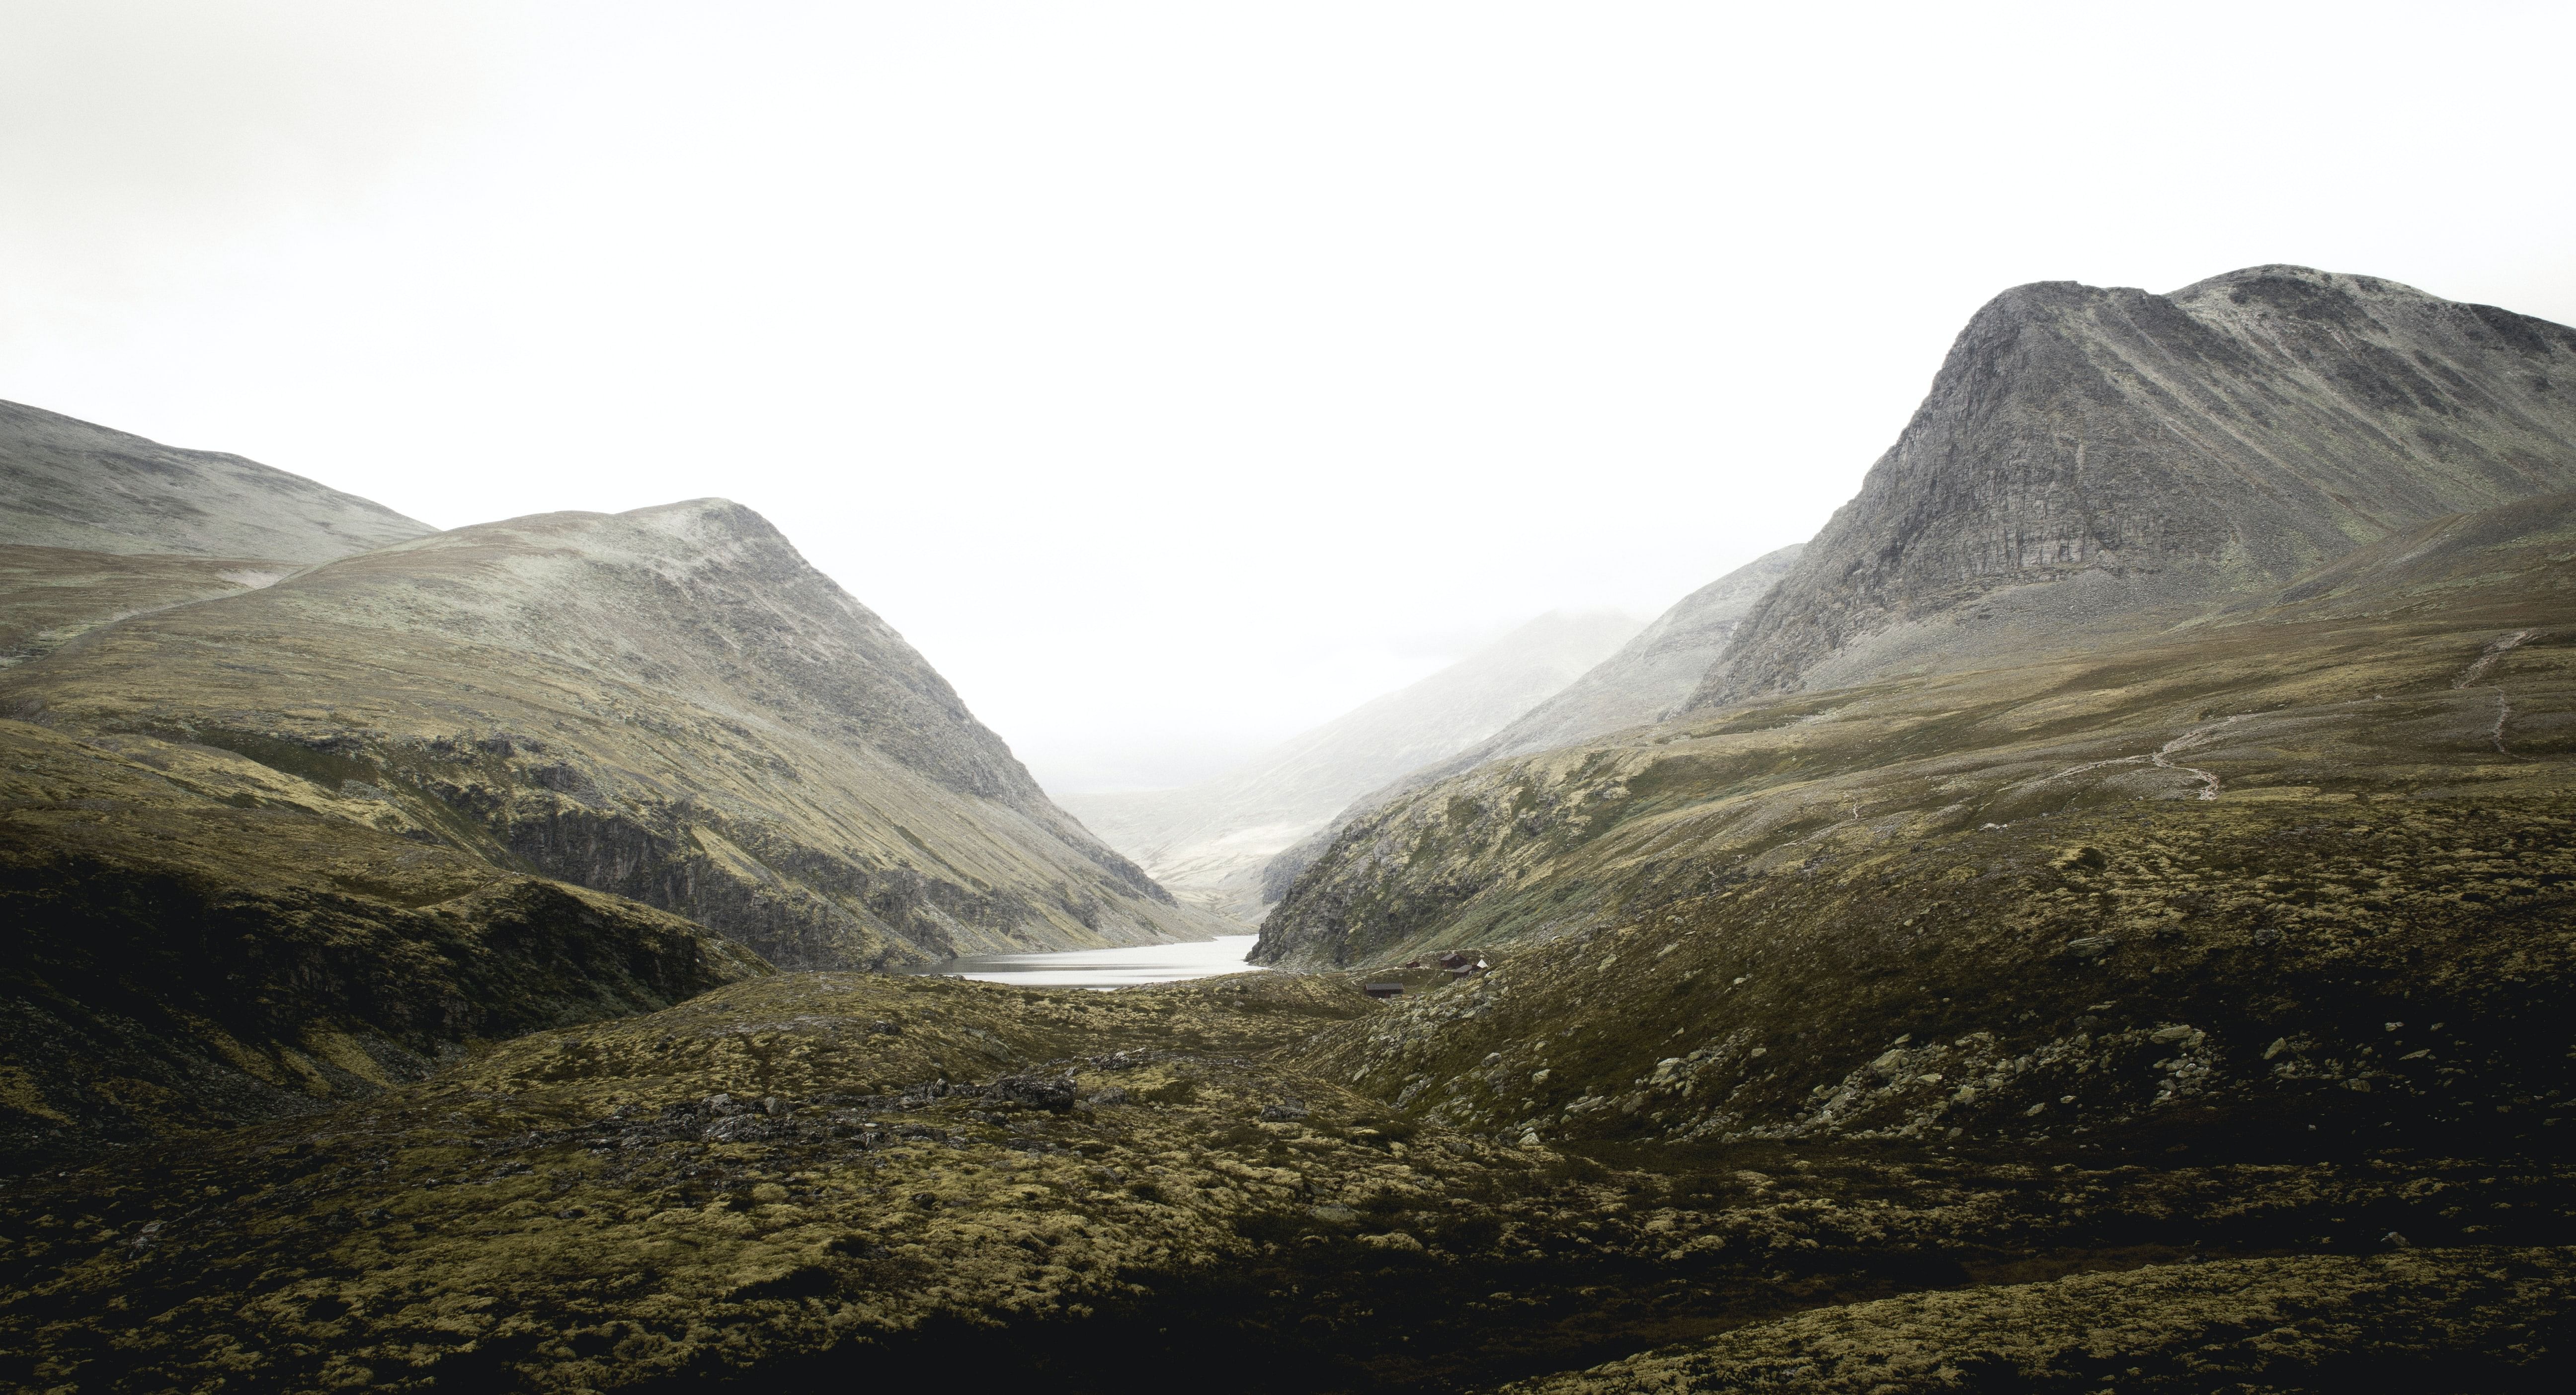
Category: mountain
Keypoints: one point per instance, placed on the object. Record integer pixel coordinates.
(1208, 842)
(69, 484)
(1651, 675)
(668, 704)
(2092, 460)
(97, 525)
(1937, 1029)
(2373, 678)
(2174, 1005)
(2110, 480)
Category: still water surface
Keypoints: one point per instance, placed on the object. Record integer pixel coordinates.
(1105, 968)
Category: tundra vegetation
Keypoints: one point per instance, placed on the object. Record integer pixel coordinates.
(2158, 984)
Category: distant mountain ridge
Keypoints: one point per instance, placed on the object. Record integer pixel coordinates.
(1209, 841)
(69, 484)
(2091, 457)
(1652, 674)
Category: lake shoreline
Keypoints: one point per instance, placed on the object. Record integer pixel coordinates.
(1102, 969)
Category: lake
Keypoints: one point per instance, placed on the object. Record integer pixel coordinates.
(1104, 968)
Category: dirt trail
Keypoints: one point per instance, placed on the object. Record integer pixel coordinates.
(2159, 757)
(2487, 657)
(2477, 667)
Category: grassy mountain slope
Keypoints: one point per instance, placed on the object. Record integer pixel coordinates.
(50, 596)
(2346, 694)
(188, 948)
(668, 705)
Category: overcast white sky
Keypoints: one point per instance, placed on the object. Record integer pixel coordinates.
(1178, 376)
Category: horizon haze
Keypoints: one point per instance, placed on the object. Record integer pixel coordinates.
(1178, 379)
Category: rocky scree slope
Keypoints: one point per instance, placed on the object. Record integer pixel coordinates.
(1648, 678)
(1208, 842)
(2093, 463)
(809, 1178)
(668, 704)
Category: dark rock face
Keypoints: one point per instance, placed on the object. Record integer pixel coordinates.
(2091, 460)
(669, 705)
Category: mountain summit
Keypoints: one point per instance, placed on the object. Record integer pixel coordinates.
(2091, 458)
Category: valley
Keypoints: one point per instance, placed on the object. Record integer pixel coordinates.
(2097, 917)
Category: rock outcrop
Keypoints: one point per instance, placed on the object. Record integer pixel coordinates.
(2097, 462)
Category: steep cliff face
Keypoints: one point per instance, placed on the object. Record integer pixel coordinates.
(69, 484)
(1210, 841)
(668, 704)
(2096, 461)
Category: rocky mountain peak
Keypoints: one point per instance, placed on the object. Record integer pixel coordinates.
(2091, 457)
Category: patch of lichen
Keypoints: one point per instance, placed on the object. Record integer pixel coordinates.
(801, 1176)
(2484, 1318)
(178, 961)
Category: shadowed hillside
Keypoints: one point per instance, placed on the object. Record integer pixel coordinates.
(189, 949)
